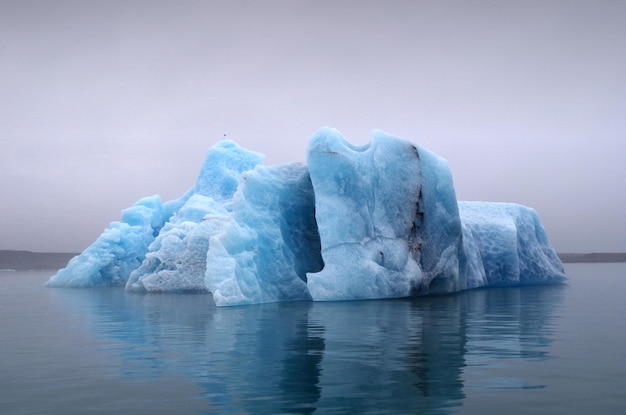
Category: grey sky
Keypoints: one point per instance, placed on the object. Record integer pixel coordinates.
(104, 102)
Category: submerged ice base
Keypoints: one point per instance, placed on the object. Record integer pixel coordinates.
(355, 222)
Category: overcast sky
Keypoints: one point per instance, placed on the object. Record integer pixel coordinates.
(104, 102)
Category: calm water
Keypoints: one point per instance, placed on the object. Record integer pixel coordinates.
(538, 350)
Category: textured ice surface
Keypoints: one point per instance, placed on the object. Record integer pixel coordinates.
(379, 220)
(176, 259)
(366, 204)
(119, 250)
(270, 243)
(510, 245)
(439, 226)
(164, 245)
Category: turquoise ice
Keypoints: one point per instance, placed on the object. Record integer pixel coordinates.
(379, 220)
(162, 246)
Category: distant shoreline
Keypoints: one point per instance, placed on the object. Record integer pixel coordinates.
(44, 261)
(593, 257)
(34, 261)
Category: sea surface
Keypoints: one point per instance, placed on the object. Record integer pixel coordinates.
(529, 350)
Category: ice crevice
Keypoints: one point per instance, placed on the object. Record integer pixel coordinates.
(379, 220)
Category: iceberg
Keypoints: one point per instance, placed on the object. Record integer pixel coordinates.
(162, 246)
(379, 220)
(120, 249)
(509, 245)
(270, 244)
(367, 204)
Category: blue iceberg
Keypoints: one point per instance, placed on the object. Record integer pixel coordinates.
(271, 242)
(162, 246)
(379, 220)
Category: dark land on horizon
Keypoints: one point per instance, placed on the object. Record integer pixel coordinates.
(593, 257)
(36, 261)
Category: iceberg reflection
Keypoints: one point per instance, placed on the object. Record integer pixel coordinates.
(412, 355)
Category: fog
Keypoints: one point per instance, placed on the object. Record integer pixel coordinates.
(106, 102)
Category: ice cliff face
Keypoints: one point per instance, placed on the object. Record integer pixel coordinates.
(373, 221)
(509, 245)
(270, 242)
(367, 204)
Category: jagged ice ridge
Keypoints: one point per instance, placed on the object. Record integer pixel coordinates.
(355, 222)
